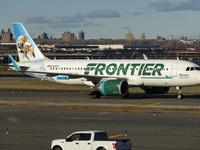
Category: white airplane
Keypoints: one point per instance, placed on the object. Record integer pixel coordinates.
(108, 76)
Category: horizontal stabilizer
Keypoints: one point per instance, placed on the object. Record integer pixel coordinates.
(16, 66)
(14, 63)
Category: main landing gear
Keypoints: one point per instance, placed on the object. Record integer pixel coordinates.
(95, 94)
(180, 95)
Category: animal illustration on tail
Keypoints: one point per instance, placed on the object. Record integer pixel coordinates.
(24, 46)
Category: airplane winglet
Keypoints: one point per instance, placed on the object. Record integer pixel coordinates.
(14, 63)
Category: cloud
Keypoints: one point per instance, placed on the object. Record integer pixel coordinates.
(76, 21)
(64, 25)
(91, 24)
(104, 14)
(36, 19)
(59, 22)
(136, 13)
(166, 6)
(126, 28)
(41, 28)
(65, 19)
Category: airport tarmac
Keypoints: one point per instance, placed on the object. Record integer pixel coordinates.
(32, 129)
(67, 99)
(35, 128)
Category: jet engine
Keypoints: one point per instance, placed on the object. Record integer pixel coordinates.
(156, 90)
(114, 87)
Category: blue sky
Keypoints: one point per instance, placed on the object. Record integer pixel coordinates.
(105, 18)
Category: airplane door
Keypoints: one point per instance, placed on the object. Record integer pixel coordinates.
(174, 69)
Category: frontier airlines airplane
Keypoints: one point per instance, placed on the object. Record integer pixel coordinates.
(108, 76)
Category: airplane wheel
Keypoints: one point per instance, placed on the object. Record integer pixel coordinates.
(180, 96)
(95, 94)
(126, 95)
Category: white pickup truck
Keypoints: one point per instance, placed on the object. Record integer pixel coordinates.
(90, 140)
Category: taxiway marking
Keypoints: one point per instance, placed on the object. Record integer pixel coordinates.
(148, 105)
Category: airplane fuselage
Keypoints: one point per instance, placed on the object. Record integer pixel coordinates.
(164, 73)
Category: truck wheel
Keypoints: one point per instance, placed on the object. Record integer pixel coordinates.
(101, 148)
(57, 148)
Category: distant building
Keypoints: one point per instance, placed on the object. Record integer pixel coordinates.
(68, 36)
(129, 36)
(199, 39)
(44, 36)
(1, 34)
(143, 37)
(184, 38)
(171, 37)
(159, 37)
(81, 36)
(64, 36)
(6, 37)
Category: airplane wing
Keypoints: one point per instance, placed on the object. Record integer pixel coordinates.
(93, 78)
(71, 75)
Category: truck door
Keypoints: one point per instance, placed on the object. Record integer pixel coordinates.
(72, 142)
(174, 69)
(85, 142)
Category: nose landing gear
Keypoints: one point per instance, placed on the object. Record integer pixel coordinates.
(180, 95)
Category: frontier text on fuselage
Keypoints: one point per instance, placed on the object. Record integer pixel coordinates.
(149, 69)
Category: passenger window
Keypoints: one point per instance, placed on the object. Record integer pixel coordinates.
(79, 137)
(100, 136)
(85, 137)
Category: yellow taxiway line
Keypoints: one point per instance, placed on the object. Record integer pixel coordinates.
(148, 105)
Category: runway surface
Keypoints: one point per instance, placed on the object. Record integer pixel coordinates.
(35, 128)
(61, 98)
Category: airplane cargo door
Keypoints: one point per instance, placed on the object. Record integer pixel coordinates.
(174, 69)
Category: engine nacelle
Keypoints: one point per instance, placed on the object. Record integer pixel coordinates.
(114, 87)
(156, 90)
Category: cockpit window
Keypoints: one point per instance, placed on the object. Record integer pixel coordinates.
(197, 68)
(192, 68)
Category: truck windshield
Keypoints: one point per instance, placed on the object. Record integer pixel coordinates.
(100, 136)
